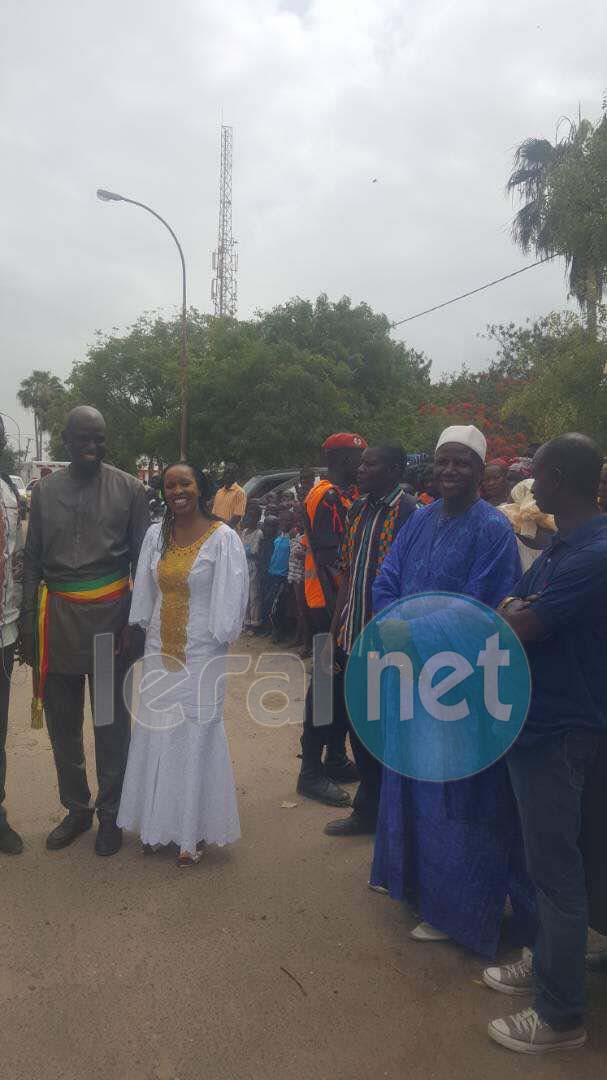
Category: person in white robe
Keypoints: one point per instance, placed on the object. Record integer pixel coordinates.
(190, 599)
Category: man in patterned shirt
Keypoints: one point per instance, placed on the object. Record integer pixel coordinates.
(372, 524)
(325, 509)
(11, 565)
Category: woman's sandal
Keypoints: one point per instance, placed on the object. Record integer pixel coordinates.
(185, 858)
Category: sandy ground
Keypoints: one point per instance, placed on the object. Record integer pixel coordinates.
(271, 959)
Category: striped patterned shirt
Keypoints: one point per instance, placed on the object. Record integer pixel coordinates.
(371, 527)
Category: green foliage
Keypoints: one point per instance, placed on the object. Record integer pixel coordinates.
(42, 392)
(8, 460)
(563, 191)
(134, 381)
(564, 388)
(263, 404)
(579, 210)
(547, 377)
(381, 381)
(264, 393)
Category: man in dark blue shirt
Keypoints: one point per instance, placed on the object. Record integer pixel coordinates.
(560, 614)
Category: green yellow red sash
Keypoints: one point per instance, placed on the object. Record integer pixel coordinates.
(97, 591)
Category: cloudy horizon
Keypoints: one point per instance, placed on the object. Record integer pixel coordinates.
(325, 96)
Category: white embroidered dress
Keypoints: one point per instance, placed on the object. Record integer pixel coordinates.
(179, 785)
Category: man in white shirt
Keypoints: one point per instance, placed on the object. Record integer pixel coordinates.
(11, 547)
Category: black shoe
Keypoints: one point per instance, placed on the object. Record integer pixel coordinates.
(10, 841)
(350, 826)
(322, 790)
(342, 772)
(109, 838)
(68, 830)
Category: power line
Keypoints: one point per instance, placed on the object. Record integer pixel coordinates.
(481, 288)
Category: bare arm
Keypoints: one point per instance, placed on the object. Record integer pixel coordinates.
(340, 603)
(519, 614)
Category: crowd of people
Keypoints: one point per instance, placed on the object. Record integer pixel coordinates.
(526, 538)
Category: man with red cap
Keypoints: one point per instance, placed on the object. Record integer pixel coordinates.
(326, 506)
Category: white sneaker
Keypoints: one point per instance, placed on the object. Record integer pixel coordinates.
(527, 1033)
(426, 932)
(517, 978)
(378, 888)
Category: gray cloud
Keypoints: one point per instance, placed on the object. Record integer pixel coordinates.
(428, 97)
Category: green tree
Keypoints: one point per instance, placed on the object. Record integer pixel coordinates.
(261, 404)
(41, 392)
(8, 457)
(265, 393)
(381, 381)
(133, 379)
(579, 207)
(562, 187)
(563, 388)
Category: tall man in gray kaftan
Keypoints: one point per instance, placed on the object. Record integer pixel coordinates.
(86, 527)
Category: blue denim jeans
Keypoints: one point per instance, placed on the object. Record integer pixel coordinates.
(548, 781)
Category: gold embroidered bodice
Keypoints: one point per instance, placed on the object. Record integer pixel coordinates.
(174, 571)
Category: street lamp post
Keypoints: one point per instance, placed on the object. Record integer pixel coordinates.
(111, 196)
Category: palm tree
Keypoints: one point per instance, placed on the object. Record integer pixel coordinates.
(39, 392)
(556, 184)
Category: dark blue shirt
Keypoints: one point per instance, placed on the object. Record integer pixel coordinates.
(569, 665)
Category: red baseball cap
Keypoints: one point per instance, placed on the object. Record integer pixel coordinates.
(344, 440)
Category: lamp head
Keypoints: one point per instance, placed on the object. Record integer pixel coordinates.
(109, 196)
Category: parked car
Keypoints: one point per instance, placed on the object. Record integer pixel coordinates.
(278, 481)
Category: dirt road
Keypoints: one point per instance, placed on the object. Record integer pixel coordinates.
(270, 960)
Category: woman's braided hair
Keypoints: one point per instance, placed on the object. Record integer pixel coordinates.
(168, 520)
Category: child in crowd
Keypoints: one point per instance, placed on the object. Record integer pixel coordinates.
(252, 536)
(297, 559)
(278, 571)
(269, 529)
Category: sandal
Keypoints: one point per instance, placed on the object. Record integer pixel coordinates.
(187, 859)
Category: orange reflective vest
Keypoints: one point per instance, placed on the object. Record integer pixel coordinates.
(315, 597)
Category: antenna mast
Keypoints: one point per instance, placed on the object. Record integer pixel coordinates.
(224, 289)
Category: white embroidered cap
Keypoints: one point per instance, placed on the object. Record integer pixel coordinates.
(466, 435)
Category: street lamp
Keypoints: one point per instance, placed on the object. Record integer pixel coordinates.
(111, 196)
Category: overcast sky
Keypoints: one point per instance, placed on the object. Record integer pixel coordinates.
(428, 96)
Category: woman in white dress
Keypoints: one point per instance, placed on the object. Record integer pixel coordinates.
(190, 597)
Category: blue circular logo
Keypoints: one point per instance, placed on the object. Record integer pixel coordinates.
(438, 686)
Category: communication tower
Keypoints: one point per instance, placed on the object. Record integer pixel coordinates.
(224, 288)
